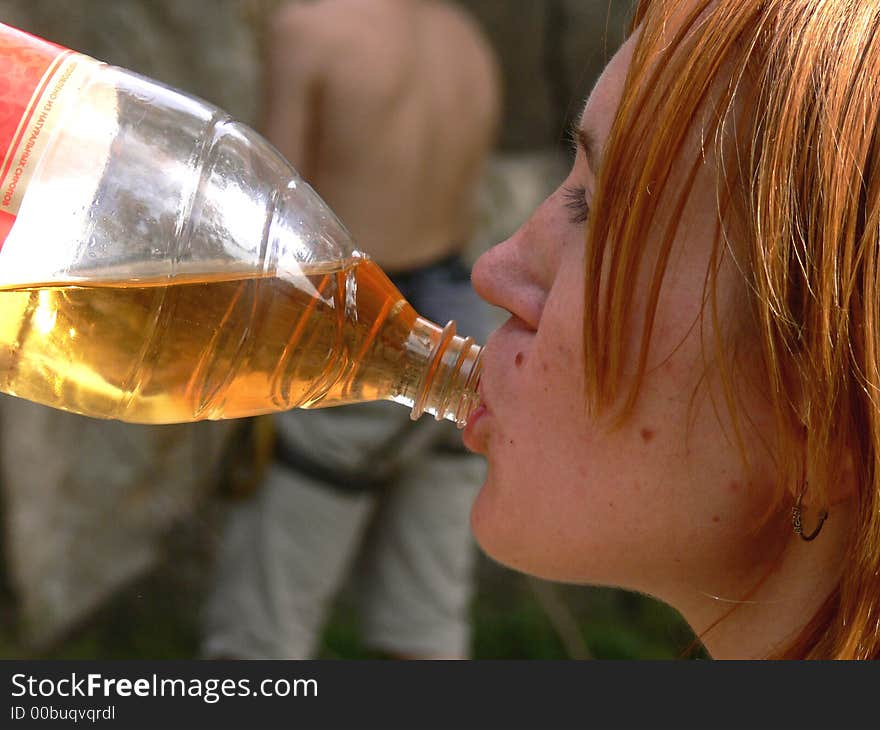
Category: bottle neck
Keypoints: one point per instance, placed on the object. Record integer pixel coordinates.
(449, 373)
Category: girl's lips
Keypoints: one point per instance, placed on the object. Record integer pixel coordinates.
(475, 437)
(469, 435)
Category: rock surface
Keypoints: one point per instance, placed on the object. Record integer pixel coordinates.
(207, 47)
(86, 503)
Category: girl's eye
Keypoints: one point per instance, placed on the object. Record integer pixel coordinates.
(576, 202)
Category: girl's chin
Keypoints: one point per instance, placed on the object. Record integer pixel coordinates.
(494, 532)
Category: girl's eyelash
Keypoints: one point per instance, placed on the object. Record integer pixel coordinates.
(576, 202)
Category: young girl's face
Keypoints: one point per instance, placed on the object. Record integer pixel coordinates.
(662, 505)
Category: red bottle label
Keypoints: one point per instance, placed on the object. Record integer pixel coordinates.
(37, 79)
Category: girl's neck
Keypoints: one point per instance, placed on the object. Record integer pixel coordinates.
(761, 612)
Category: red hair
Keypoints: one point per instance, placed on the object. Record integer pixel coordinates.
(793, 88)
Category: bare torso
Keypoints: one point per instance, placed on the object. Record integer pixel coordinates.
(400, 105)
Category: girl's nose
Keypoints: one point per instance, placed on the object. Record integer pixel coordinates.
(503, 277)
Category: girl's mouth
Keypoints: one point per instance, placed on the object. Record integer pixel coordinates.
(470, 436)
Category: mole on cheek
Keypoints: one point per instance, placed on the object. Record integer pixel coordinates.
(518, 360)
(647, 434)
(716, 518)
(734, 486)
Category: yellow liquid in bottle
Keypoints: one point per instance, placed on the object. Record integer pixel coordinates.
(189, 349)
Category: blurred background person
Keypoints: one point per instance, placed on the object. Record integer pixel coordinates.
(388, 108)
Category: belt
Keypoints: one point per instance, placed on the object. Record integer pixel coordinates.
(343, 480)
(381, 466)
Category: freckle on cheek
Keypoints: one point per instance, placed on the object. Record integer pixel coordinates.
(647, 434)
(518, 360)
(734, 486)
(716, 518)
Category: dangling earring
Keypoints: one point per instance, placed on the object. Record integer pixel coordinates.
(797, 518)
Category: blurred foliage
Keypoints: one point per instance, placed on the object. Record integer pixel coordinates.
(158, 618)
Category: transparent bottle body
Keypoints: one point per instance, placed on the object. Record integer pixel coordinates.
(167, 265)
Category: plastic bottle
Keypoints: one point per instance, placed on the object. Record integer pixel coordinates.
(163, 263)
